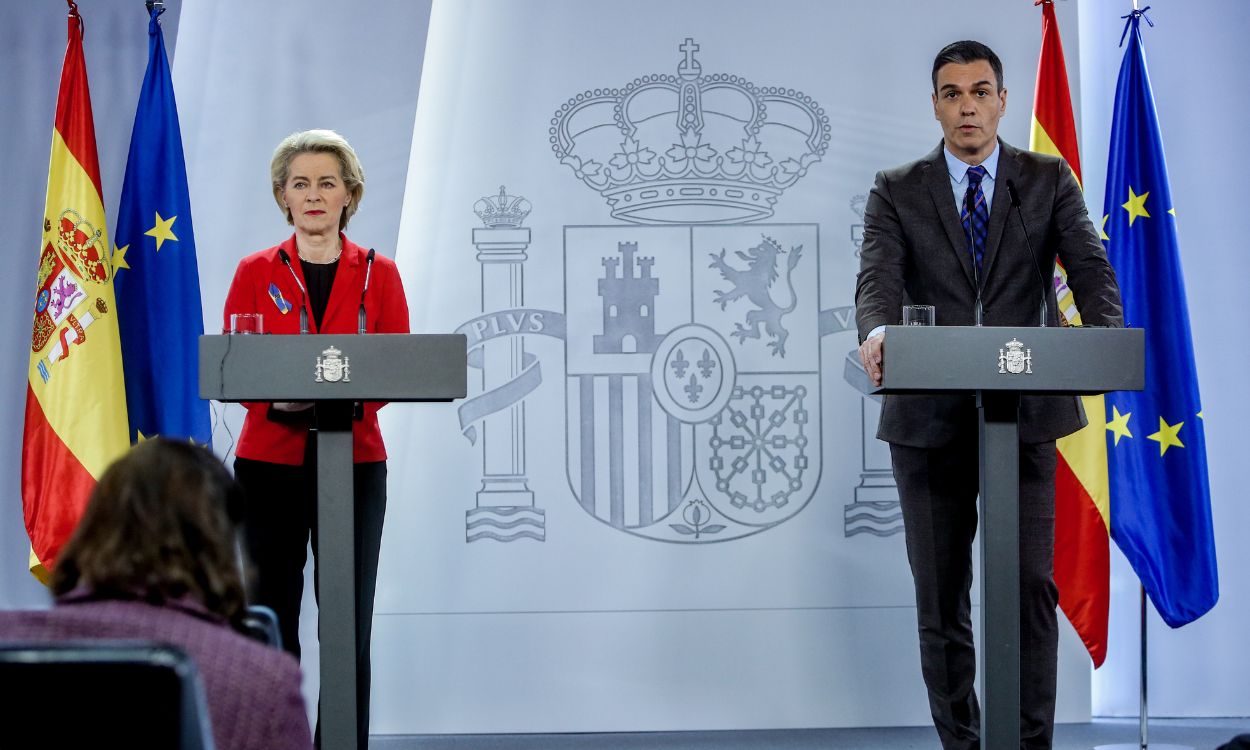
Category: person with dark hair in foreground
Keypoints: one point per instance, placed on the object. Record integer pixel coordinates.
(154, 558)
(937, 232)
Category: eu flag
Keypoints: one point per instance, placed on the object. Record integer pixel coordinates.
(157, 279)
(1157, 458)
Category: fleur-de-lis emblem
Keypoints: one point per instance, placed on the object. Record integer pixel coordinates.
(693, 389)
(679, 365)
(707, 365)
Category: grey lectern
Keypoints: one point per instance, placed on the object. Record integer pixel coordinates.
(335, 371)
(999, 365)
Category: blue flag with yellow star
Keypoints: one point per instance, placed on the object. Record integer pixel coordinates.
(157, 278)
(1157, 459)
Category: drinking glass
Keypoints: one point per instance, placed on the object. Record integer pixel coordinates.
(247, 323)
(918, 315)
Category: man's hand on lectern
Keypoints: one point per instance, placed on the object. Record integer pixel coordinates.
(872, 357)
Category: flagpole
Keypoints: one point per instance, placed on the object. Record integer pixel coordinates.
(1146, 491)
(1142, 710)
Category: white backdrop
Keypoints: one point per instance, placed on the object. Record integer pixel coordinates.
(594, 627)
(617, 617)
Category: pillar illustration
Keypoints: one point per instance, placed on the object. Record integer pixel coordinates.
(505, 504)
(874, 508)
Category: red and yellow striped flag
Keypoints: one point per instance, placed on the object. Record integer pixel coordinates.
(1082, 494)
(75, 398)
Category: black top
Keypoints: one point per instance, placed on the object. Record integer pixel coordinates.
(320, 277)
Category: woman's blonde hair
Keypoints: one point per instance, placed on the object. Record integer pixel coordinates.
(318, 142)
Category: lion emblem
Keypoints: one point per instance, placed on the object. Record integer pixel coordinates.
(754, 283)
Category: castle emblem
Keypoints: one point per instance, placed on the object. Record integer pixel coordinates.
(628, 303)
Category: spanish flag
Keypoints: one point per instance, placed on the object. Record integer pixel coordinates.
(1082, 494)
(75, 398)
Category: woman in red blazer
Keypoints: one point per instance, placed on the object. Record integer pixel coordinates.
(313, 281)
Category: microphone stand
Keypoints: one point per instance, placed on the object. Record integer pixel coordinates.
(1037, 266)
(303, 302)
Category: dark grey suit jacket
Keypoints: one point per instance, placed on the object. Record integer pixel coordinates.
(915, 252)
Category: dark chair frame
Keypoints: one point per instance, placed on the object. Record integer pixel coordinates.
(88, 692)
(261, 623)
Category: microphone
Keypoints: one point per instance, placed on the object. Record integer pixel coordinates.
(1037, 266)
(303, 302)
(360, 316)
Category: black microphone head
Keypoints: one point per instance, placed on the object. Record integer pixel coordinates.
(1011, 191)
(284, 256)
(368, 273)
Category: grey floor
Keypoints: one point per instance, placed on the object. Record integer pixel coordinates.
(1199, 734)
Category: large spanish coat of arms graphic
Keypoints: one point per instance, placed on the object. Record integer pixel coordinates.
(692, 329)
(688, 416)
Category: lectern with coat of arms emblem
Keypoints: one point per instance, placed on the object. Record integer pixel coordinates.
(335, 371)
(1052, 361)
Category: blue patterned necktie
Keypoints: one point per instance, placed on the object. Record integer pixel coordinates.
(976, 216)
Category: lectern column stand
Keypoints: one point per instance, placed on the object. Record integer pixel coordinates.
(999, 654)
(334, 372)
(336, 571)
(998, 365)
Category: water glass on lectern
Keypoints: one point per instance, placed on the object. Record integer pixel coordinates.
(247, 323)
(918, 315)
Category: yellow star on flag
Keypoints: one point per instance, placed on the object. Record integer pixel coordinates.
(1167, 436)
(1119, 425)
(163, 230)
(119, 258)
(1102, 233)
(1136, 206)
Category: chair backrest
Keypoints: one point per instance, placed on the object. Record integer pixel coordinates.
(261, 623)
(104, 693)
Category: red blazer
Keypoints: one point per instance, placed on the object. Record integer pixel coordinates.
(253, 290)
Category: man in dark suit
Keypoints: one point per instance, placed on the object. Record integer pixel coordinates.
(935, 230)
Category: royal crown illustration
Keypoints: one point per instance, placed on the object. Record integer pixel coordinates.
(690, 148)
(502, 211)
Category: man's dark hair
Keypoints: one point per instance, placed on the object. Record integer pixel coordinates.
(965, 52)
(159, 526)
